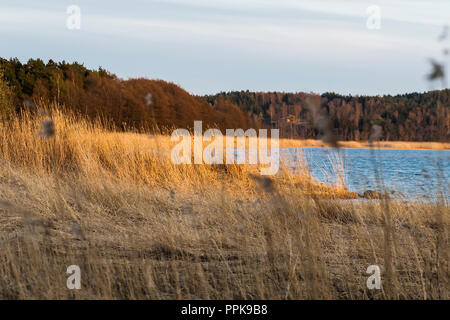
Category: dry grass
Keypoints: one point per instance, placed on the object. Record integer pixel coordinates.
(140, 227)
(399, 145)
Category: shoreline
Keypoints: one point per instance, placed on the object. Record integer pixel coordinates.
(389, 145)
(312, 143)
(140, 227)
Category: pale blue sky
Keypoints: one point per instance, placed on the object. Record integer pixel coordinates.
(207, 46)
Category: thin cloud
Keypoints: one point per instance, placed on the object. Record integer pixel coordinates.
(318, 45)
(284, 37)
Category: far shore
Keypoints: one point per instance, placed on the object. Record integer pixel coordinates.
(312, 143)
(398, 145)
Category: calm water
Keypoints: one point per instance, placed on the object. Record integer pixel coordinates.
(407, 173)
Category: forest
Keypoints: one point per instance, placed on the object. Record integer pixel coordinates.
(134, 104)
(145, 105)
(408, 117)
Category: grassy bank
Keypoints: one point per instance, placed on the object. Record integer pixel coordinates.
(398, 145)
(141, 227)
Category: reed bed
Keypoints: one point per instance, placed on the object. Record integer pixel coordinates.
(140, 227)
(399, 145)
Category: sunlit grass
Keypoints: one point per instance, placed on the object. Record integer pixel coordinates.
(141, 227)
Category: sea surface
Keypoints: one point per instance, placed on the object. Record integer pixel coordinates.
(407, 174)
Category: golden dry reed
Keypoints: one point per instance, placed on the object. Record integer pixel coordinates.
(398, 145)
(140, 227)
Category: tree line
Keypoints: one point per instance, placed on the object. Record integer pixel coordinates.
(140, 104)
(144, 104)
(407, 117)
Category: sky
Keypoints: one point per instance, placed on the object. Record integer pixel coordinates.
(209, 46)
